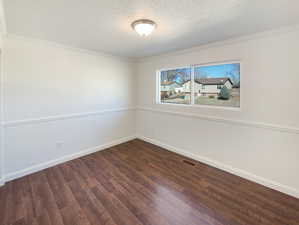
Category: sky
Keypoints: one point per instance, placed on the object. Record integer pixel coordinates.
(177, 75)
(214, 71)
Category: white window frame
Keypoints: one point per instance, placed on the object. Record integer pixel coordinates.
(192, 67)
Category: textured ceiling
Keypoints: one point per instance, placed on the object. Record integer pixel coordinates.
(104, 25)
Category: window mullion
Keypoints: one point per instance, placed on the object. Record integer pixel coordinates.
(192, 85)
(158, 84)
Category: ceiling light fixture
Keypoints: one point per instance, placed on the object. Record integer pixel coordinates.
(144, 27)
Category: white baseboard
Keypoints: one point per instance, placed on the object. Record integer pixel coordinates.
(260, 180)
(249, 176)
(38, 167)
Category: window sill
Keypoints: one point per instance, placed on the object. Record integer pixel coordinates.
(236, 109)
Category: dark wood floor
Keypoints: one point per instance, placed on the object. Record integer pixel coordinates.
(139, 183)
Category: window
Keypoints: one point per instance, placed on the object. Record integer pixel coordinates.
(175, 86)
(213, 85)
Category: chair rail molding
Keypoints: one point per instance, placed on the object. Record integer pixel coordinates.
(16, 123)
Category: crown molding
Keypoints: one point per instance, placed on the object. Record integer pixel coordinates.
(230, 41)
(9, 36)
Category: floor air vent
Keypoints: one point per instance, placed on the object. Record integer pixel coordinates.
(188, 162)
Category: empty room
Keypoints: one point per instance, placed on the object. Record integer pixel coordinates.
(149, 112)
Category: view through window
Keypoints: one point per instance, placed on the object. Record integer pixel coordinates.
(175, 86)
(215, 85)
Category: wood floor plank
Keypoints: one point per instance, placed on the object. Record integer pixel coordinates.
(73, 215)
(142, 184)
(61, 191)
(127, 192)
(171, 195)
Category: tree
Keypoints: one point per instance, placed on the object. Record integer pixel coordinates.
(224, 93)
(234, 75)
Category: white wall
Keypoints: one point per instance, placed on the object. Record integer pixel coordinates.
(261, 140)
(60, 101)
(1, 114)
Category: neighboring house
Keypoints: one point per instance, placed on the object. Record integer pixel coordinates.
(179, 89)
(187, 87)
(208, 85)
(213, 85)
(203, 86)
(168, 86)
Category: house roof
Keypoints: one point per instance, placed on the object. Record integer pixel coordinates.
(205, 81)
(170, 83)
(213, 81)
(167, 82)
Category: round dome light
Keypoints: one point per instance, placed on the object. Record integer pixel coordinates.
(144, 27)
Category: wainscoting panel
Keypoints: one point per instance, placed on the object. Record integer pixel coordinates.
(256, 154)
(36, 144)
